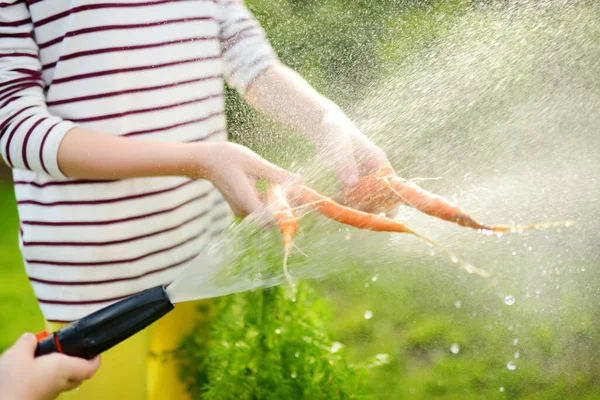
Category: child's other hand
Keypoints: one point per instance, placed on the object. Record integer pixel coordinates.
(346, 150)
(235, 169)
(349, 153)
(24, 377)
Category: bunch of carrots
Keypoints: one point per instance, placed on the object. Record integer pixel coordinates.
(382, 190)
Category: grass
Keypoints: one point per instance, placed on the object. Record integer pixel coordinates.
(18, 309)
(415, 321)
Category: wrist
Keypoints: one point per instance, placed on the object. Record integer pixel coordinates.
(199, 160)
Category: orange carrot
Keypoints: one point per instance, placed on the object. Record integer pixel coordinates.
(387, 189)
(370, 195)
(363, 220)
(287, 222)
(346, 215)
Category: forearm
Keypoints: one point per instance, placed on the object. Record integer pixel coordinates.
(87, 154)
(286, 97)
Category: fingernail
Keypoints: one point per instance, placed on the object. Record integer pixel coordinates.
(351, 180)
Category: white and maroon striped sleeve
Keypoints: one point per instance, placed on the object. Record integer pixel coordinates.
(29, 135)
(246, 51)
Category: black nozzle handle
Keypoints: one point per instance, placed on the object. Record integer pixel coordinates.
(105, 328)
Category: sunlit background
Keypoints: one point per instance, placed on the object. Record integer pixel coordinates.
(500, 100)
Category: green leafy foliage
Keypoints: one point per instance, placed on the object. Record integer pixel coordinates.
(270, 344)
(264, 345)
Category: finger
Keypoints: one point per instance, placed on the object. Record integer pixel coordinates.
(75, 368)
(26, 344)
(392, 212)
(69, 384)
(371, 157)
(245, 196)
(263, 169)
(338, 154)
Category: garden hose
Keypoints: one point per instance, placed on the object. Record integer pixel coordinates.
(105, 328)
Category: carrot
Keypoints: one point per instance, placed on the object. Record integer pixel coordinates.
(363, 220)
(384, 187)
(370, 195)
(287, 223)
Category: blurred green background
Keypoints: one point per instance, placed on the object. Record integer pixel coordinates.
(446, 337)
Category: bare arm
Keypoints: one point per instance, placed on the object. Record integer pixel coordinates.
(283, 95)
(88, 154)
(232, 168)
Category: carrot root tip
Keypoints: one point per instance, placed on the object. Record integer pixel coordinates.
(286, 271)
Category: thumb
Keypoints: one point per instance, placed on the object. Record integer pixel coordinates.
(26, 344)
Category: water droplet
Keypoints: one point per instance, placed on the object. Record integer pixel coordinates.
(348, 236)
(582, 269)
(454, 259)
(469, 268)
(529, 248)
(382, 358)
(278, 331)
(454, 348)
(336, 346)
(509, 300)
(368, 314)
(293, 299)
(538, 291)
(374, 278)
(501, 388)
(517, 354)
(511, 366)
(297, 354)
(499, 234)
(293, 375)
(457, 304)
(515, 341)
(367, 284)
(510, 328)
(514, 253)
(486, 232)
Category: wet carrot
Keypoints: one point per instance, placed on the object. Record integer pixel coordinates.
(385, 188)
(363, 220)
(370, 195)
(346, 215)
(287, 222)
(429, 203)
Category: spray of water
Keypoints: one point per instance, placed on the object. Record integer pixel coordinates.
(505, 110)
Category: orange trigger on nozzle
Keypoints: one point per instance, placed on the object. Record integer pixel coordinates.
(42, 335)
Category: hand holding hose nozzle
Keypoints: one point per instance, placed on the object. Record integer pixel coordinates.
(100, 331)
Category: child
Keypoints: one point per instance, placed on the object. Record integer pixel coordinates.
(23, 377)
(112, 118)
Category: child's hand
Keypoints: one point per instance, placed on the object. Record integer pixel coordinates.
(235, 169)
(24, 377)
(346, 150)
(349, 153)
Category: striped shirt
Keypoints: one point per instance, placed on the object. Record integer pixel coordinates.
(147, 69)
